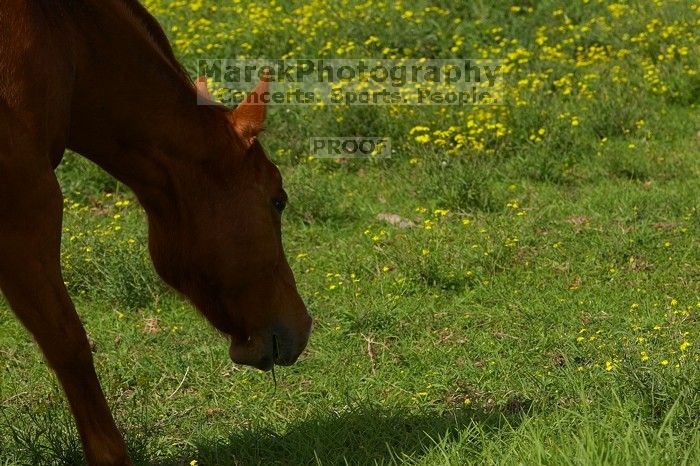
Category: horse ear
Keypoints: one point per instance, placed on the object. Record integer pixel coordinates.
(201, 85)
(248, 118)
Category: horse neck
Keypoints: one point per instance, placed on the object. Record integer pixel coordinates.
(135, 113)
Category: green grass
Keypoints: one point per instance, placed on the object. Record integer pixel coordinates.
(542, 310)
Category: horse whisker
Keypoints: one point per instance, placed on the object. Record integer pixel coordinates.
(275, 354)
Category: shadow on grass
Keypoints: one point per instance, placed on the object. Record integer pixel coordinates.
(358, 437)
(365, 435)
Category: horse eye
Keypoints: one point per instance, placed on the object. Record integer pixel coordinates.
(279, 204)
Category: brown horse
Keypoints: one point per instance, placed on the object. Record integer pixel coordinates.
(99, 77)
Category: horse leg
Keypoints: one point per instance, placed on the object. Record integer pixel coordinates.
(30, 277)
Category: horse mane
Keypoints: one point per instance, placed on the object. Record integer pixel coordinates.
(152, 31)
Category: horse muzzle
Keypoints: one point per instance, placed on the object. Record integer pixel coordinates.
(278, 346)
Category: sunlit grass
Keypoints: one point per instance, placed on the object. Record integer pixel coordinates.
(539, 304)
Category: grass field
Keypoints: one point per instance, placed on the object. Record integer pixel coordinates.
(541, 307)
